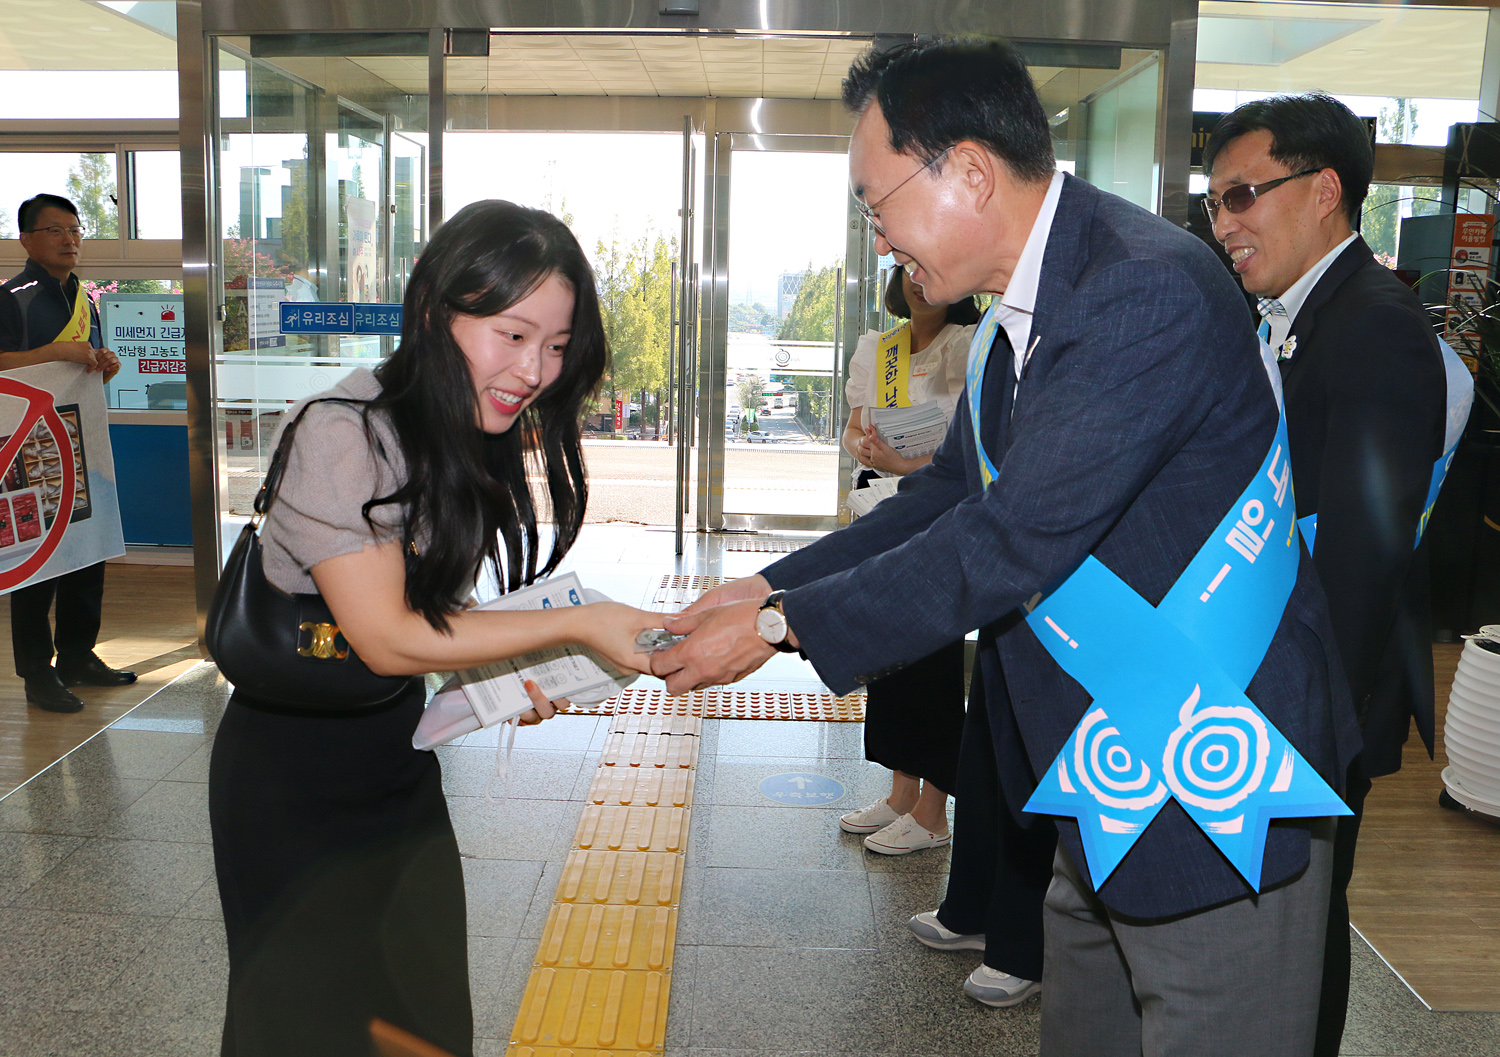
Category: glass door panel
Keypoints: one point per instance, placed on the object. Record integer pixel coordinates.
(785, 269)
(309, 209)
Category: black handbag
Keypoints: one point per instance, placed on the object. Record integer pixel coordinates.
(286, 649)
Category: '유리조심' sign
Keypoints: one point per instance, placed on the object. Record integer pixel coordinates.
(329, 317)
(145, 332)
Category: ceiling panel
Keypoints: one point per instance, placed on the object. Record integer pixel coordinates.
(74, 35)
(1346, 49)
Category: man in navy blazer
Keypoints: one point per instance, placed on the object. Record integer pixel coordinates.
(1366, 407)
(1125, 407)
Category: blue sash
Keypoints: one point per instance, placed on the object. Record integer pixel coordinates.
(1460, 400)
(1169, 717)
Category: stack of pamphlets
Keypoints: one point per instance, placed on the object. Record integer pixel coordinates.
(863, 500)
(913, 431)
(496, 691)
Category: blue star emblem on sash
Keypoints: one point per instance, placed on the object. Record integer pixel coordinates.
(1170, 719)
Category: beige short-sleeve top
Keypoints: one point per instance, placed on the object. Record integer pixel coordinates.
(332, 470)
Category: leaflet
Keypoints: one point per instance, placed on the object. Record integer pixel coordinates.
(496, 691)
(863, 500)
(912, 431)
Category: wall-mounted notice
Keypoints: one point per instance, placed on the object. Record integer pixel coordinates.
(145, 331)
(1468, 275)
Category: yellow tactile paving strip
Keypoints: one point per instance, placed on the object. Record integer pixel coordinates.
(602, 977)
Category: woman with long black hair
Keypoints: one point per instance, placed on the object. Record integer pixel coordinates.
(337, 865)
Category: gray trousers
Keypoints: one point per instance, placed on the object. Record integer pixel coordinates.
(1239, 980)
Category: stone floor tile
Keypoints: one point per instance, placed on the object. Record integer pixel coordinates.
(781, 908)
(499, 895)
(123, 877)
(774, 737)
(534, 830)
(26, 857)
(52, 960)
(168, 811)
(69, 803)
(529, 774)
(182, 973)
(775, 838)
(737, 780)
(131, 753)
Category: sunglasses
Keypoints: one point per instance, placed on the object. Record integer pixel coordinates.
(1241, 197)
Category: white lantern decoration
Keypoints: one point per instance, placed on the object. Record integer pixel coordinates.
(1471, 733)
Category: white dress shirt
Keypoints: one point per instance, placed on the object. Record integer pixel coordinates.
(1281, 312)
(1018, 303)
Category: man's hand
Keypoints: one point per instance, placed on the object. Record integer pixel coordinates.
(722, 646)
(77, 352)
(746, 587)
(107, 362)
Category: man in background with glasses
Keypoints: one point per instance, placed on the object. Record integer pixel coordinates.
(1366, 397)
(46, 316)
(1117, 411)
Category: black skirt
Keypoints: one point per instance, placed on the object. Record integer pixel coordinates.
(914, 718)
(341, 884)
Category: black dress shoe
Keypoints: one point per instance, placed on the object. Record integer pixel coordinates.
(49, 694)
(91, 671)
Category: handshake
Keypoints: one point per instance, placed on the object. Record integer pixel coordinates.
(713, 641)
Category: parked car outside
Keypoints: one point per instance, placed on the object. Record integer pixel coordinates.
(759, 436)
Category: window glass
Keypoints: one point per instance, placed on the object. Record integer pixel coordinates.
(156, 194)
(1415, 69)
(87, 179)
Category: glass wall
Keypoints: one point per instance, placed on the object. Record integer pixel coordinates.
(321, 170)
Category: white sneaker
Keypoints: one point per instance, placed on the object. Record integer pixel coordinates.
(997, 989)
(930, 931)
(904, 836)
(868, 819)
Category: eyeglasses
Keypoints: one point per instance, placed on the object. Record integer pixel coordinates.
(1241, 197)
(869, 211)
(57, 231)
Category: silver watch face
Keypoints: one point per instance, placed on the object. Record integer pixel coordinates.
(770, 625)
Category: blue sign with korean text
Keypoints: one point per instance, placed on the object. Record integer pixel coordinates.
(316, 317)
(377, 319)
(801, 790)
(329, 317)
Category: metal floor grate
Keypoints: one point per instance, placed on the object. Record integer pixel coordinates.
(766, 546)
(723, 702)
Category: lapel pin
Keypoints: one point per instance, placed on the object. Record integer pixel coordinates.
(1287, 348)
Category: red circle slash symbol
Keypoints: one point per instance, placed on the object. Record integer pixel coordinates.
(39, 406)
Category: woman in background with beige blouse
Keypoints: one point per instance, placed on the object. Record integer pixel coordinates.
(914, 718)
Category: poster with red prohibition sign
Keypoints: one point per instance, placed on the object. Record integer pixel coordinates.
(59, 510)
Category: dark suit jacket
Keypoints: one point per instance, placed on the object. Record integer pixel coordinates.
(1366, 401)
(1143, 414)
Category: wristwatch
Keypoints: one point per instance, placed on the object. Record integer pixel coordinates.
(771, 625)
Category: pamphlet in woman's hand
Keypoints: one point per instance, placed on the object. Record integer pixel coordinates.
(496, 690)
(912, 431)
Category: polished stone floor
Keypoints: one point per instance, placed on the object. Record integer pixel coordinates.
(791, 938)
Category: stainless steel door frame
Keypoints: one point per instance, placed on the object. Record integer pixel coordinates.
(851, 296)
(684, 320)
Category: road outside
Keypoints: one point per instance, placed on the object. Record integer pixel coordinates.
(633, 480)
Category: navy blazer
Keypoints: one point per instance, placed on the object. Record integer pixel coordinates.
(1366, 406)
(1144, 411)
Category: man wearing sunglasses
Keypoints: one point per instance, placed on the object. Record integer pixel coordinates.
(1117, 411)
(45, 317)
(1366, 396)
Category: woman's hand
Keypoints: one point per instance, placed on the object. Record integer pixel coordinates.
(542, 708)
(610, 630)
(876, 453)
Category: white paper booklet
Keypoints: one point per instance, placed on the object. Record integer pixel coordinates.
(912, 431)
(496, 691)
(863, 500)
